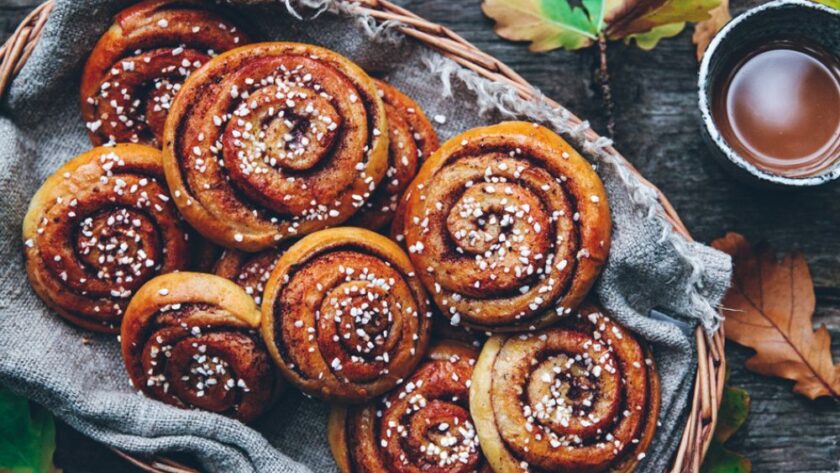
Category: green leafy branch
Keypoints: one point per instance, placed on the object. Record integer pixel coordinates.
(552, 24)
(28, 436)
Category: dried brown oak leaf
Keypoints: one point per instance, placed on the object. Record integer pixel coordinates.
(707, 29)
(770, 309)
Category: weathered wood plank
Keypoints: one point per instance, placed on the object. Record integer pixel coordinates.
(11, 14)
(658, 129)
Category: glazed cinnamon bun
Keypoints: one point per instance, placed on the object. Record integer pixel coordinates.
(424, 425)
(508, 226)
(579, 397)
(138, 66)
(344, 316)
(411, 140)
(274, 141)
(249, 270)
(192, 340)
(99, 228)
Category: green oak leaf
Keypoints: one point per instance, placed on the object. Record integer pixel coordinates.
(596, 10)
(28, 435)
(649, 40)
(830, 3)
(547, 24)
(722, 460)
(551, 24)
(733, 412)
(630, 17)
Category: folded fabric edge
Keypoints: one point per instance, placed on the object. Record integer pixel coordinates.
(226, 456)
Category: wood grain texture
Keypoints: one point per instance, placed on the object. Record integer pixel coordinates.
(658, 129)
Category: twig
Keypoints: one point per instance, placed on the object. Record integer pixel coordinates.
(603, 79)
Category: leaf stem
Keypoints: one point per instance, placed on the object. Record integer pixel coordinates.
(603, 79)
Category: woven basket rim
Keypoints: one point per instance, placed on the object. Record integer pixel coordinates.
(711, 362)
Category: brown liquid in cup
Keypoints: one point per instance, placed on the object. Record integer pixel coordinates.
(779, 108)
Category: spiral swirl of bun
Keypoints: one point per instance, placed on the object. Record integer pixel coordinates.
(274, 141)
(412, 139)
(582, 397)
(344, 316)
(424, 425)
(138, 66)
(99, 228)
(192, 340)
(508, 227)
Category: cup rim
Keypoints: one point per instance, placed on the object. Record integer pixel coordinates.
(708, 121)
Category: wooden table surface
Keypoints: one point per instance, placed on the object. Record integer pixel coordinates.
(658, 129)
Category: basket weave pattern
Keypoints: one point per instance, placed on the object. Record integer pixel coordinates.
(711, 364)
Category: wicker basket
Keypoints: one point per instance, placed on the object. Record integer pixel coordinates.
(711, 364)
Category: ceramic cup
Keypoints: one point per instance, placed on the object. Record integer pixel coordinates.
(779, 19)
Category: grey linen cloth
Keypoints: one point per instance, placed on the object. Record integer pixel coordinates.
(86, 385)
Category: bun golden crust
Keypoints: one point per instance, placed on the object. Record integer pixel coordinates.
(139, 64)
(274, 141)
(344, 316)
(510, 224)
(99, 228)
(582, 396)
(192, 340)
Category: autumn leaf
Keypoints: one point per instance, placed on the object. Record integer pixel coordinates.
(734, 408)
(630, 17)
(733, 412)
(706, 30)
(830, 3)
(649, 40)
(547, 24)
(770, 308)
(551, 24)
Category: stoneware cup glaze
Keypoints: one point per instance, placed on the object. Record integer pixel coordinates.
(775, 20)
